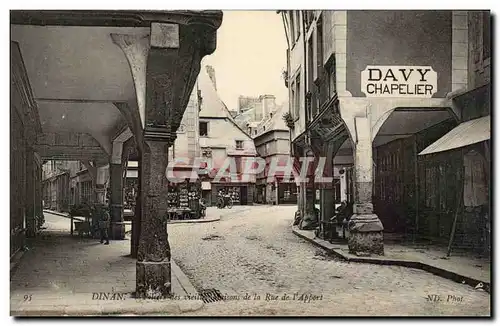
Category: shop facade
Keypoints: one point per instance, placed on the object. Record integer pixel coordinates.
(376, 111)
(240, 193)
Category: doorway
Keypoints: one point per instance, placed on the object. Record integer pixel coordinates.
(244, 195)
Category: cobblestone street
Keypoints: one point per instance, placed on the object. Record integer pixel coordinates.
(253, 251)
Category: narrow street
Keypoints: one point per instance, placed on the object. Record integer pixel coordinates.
(252, 250)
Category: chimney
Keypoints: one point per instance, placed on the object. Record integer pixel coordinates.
(268, 105)
(211, 74)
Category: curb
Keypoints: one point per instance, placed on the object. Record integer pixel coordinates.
(337, 252)
(66, 215)
(237, 212)
(201, 220)
(184, 281)
(56, 213)
(138, 308)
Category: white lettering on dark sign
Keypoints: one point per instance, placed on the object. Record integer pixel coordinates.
(399, 81)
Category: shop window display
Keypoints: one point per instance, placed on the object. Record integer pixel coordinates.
(184, 201)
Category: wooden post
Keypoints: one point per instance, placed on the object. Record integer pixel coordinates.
(460, 194)
(71, 227)
(417, 190)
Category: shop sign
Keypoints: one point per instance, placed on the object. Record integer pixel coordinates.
(399, 81)
(206, 185)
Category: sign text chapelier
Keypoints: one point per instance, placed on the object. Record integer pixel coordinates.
(399, 81)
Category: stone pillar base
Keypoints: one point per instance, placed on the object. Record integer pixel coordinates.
(117, 231)
(153, 280)
(309, 221)
(366, 235)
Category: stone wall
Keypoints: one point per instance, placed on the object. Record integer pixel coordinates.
(479, 46)
(399, 38)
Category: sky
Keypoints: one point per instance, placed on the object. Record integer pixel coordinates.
(250, 56)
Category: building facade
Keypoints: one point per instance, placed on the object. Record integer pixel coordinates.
(369, 92)
(25, 162)
(221, 140)
(272, 141)
(70, 183)
(254, 111)
(56, 178)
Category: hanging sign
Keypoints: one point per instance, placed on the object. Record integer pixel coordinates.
(399, 81)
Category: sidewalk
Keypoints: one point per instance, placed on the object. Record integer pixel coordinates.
(64, 275)
(212, 216)
(62, 214)
(460, 268)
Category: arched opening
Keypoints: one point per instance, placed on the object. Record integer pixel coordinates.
(343, 164)
(412, 194)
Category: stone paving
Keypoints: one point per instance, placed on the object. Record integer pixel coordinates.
(63, 275)
(460, 266)
(253, 251)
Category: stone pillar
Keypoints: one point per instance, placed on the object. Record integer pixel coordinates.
(116, 202)
(153, 258)
(365, 228)
(30, 194)
(300, 186)
(327, 190)
(309, 220)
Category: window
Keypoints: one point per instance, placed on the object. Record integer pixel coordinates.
(319, 45)
(331, 77)
(297, 97)
(297, 24)
(203, 129)
(486, 35)
(239, 144)
(292, 26)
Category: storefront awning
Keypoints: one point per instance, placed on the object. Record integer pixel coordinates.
(466, 133)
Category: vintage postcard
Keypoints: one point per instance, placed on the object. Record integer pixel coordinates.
(250, 163)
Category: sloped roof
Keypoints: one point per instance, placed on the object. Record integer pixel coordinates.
(275, 122)
(465, 134)
(211, 104)
(244, 118)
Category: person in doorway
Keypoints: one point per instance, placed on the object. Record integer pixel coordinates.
(104, 218)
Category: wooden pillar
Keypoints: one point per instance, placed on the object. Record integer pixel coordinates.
(136, 221)
(116, 202)
(30, 207)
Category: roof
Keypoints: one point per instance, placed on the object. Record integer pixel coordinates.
(273, 123)
(465, 134)
(211, 104)
(254, 124)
